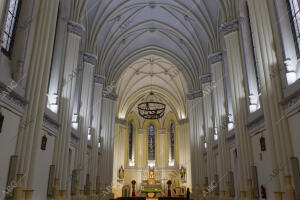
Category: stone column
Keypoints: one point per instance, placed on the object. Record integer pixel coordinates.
(209, 127)
(89, 61)
(66, 103)
(220, 117)
(107, 139)
(269, 74)
(96, 125)
(38, 63)
(239, 102)
(196, 137)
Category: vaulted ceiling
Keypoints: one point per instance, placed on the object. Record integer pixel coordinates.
(125, 32)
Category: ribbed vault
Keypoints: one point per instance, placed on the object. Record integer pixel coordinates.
(152, 73)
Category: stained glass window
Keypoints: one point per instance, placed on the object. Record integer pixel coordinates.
(151, 142)
(293, 6)
(130, 134)
(10, 25)
(172, 141)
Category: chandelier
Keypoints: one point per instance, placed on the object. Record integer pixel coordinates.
(151, 108)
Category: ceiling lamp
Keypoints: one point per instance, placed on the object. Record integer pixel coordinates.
(151, 108)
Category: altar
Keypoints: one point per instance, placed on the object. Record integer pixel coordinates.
(151, 187)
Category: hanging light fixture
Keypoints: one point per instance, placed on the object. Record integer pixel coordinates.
(151, 108)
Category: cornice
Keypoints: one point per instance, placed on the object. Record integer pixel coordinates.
(12, 99)
(99, 78)
(109, 95)
(229, 27)
(205, 78)
(194, 95)
(215, 57)
(75, 28)
(90, 58)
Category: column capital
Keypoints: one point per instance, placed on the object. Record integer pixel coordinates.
(120, 121)
(90, 58)
(109, 95)
(205, 78)
(194, 95)
(74, 27)
(215, 57)
(99, 78)
(229, 27)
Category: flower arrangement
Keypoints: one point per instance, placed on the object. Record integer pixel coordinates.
(133, 182)
(169, 182)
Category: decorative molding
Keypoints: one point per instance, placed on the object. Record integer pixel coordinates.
(194, 95)
(215, 57)
(205, 78)
(162, 131)
(90, 58)
(183, 121)
(255, 121)
(50, 124)
(110, 95)
(291, 104)
(141, 131)
(229, 27)
(75, 28)
(99, 79)
(120, 121)
(11, 98)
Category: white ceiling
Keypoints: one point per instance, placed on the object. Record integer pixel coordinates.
(125, 32)
(152, 73)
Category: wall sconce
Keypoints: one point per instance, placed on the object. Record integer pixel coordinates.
(44, 143)
(1, 121)
(262, 142)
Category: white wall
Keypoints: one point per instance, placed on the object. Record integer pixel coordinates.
(264, 165)
(41, 173)
(295, 134)
(8, 140)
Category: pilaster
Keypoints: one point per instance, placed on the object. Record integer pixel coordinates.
(239, 103)
(207, 89)
(38, 63)
(269, 74)
(70, 74)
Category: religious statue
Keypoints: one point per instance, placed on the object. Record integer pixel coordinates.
(182, 174)
(151, 179)
(121, 173)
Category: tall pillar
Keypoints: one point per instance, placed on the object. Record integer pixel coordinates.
(196, 137)
(96, 125)
(66, 104)
(38, 63)
(89, 61)
(239, 102)
(209, 127)
(220, 117)
(107, 138)
(269, 74)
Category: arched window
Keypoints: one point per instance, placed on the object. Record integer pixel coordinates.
(294, 11)
(151, 142)
(10, 26)
(172, 144)
(131, 141)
